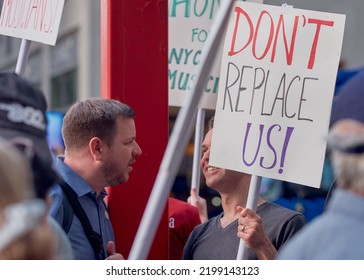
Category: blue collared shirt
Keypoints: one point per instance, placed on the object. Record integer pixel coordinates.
(335, 235)
(93, 205)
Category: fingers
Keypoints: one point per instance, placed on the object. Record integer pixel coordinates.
(248, 219)
(193, 194)
(242, 220)
(115, 256)
(246, 212)
(110, 248)
(239, 209)
(193, 199)
(242, 228)
(111, 254)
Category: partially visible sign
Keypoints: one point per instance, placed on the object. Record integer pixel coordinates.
(32, 20)
(277, 80)
(189, 25)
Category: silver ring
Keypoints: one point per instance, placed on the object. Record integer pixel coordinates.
(243, 229)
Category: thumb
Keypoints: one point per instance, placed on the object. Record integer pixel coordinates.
(110, 249)
(239, 209)
(194, 197)
(193, 192)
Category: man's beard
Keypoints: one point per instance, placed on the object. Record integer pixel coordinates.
(112, 175)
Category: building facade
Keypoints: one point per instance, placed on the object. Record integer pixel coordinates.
(70, 70)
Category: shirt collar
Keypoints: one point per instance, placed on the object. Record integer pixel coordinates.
(78, 184)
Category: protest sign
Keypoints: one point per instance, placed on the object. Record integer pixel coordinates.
(189, 27)
(277, 81)
(32, 20)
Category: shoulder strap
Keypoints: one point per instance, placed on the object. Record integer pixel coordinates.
(94, 238)
(67, 214)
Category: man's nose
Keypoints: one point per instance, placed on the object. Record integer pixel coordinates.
(206, 155)
(137, 151)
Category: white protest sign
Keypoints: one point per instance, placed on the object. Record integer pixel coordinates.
(189, 26)
(278, 73)
(32, 20)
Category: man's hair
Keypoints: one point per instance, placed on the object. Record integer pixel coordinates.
(346, 140)
(95, 117)
(349, 169)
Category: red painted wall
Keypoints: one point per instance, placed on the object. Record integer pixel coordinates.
(134, 70)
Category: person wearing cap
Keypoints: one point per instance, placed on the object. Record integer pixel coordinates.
(24, 230)
(100, 148)
(23, 112)
(337, 233)
(23, 122)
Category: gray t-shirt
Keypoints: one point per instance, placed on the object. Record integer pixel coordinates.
(209, 241)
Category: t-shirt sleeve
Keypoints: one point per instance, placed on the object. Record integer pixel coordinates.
(188, 248)
(291, 227)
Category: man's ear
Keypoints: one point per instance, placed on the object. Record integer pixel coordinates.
(96, 146)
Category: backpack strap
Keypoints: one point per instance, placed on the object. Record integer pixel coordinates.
(94, 237)
(67, 214)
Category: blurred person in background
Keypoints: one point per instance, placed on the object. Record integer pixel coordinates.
(23, 122)
(183, 218)
(24, 229)
(337, 233)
